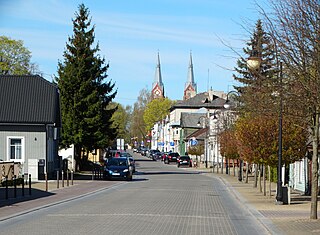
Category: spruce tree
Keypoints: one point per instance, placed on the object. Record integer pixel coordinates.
(258, 86)
(85, 91)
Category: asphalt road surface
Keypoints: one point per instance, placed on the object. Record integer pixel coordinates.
(161, 199)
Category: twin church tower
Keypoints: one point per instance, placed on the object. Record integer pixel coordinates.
(190, 89)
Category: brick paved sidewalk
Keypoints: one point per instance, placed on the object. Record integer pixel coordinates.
(289, 219)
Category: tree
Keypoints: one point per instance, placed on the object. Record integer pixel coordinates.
(228, 144)
(258, 137)
(15, 58)
(85, 93)
(138, 126)
(259, 83)
(295, 26)
(121, 121)
(156, 110)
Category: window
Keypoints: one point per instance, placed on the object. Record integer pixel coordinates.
(15, 148)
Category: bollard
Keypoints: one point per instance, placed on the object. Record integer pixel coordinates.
(92, 174)
(14, 186)
(57, 179)
(72, 177)
(7, 195)
(62, 178)
(26, 177)
(46, 178)
(22, 189)
(67, 178)
(29, 184)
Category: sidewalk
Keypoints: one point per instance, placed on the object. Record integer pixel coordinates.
(289, 219)
(40, 198)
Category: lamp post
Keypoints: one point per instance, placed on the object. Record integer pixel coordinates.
(227, 105)
(253, 64)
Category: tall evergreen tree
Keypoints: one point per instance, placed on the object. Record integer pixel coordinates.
(85, 93)
(259, 84)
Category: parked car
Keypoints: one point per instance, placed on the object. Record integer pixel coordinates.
(118, 168)
(115, 153)
(157, 156)
(171, 157)
(184, 161)
(152, 153)
(144, 151)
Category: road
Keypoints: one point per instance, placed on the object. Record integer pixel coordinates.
(161, 199)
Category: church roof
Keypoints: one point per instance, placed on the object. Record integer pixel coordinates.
(190, 78)
(158, 77)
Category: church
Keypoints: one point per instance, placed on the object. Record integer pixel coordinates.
(190, 89)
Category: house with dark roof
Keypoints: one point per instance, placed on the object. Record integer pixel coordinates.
(29, 123)
(184, 118)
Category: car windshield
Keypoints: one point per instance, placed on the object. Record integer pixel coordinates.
(117, 162)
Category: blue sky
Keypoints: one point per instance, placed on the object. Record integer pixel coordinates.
(130, 34)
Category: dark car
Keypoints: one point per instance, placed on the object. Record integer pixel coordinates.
(157, 156)
(144, 151)
(184, 161)
(131, 160)
(152, 154)
(118, 168)
(171, 157)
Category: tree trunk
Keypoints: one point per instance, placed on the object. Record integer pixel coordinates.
(234, 168)
(247, 172)
(77, 156)
(269, 179)
(259, 177)
(255, 184)
(314, 184)
(264, 180)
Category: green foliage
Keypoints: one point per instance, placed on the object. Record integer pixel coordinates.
(156, 110)
(85, 92)
(260, 83)
(14, 57)
(138, 126)
(121, 121)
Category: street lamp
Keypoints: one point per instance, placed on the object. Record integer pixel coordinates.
(227, 105)
(253, 64)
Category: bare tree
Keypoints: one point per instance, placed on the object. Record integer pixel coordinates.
(295, 25)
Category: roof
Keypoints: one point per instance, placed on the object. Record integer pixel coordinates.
(190, 120)
(29, 99)
(199, 134)
(200, 100)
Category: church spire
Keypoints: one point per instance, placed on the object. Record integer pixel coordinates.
(190, 88)
(157, 86)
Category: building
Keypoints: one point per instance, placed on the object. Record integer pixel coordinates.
(29, 124)
(190, 89)
(157, 86)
